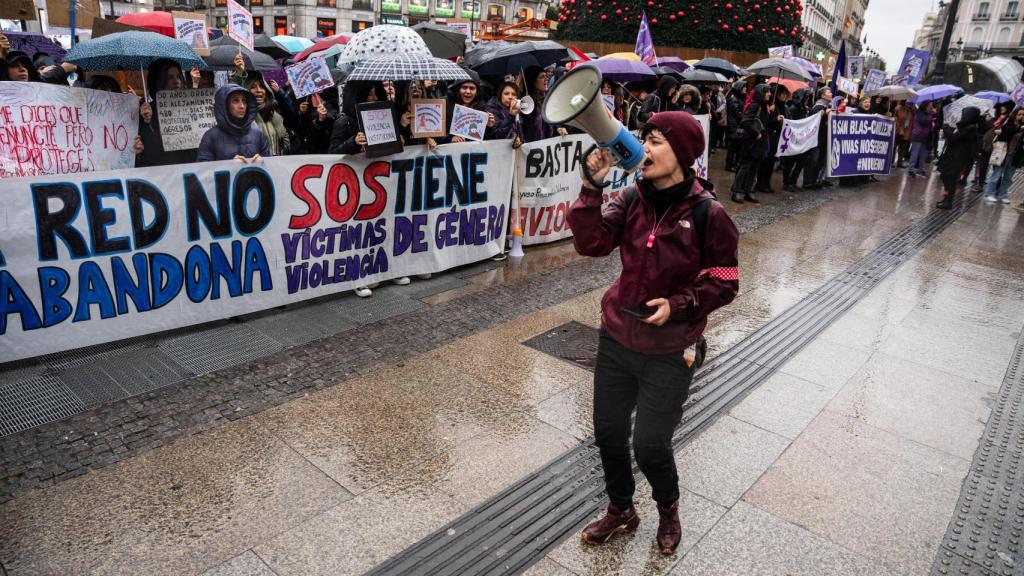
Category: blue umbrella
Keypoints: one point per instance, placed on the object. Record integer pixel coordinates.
(996, 97)
(937, 92)
(293, 44)
(618, 70)
(132, 51)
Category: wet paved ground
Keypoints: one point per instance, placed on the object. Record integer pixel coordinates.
(330, 457)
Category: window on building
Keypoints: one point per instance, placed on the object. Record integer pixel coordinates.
(362, 5)
(470, 9)
(524, 14)
(256, 2)
(444, 8)
(1011, 9)
(326, 26)
(327, 3)
(360, 25)
(257, 24)
(221, 22)
(1004, 36)
(417, 7)
(280, 25)
(222, 2)
(280, 2)
(976, 35)
(983, 9)
(496, 12)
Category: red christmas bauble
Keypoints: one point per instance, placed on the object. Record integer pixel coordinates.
(735, 17)
(725, 26)
(650, 3)
(618, 12)
(696, 21)
(604, 16)
(672, 17)
(757, 6)
(778, 10)
(654, 21)
(728, 6)
(680, 14)
(750, 27)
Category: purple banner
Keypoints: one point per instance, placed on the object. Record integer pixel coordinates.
(860, 144)
(913, 68)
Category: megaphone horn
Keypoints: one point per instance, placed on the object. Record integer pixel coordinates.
(526, 105)
(575, 100)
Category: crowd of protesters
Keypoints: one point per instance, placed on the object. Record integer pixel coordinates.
(257, 118)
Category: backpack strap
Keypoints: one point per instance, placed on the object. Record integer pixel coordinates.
(700, 225)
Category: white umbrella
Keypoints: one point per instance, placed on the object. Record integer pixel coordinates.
(894, 92)
(781, 67)
(951, 114)
(383, 40)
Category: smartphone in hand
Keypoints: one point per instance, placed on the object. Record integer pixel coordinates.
(642, 312)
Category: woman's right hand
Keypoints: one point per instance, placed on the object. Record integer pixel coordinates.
(457, 139)
(407, 119)
(146, 111)
(303, 107)
(361, 139)
(599, 163)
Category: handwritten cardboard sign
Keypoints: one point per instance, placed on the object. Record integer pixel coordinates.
(240, 24)
(58, 12)
(190, 27)
(309, 76)
(468, 123)
(428, 118)
(378, 125)
(185, 115)
(18, 10)
(49, 129)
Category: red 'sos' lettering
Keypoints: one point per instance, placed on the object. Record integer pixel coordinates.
(380, 199)
(312, 216)
(342, 175)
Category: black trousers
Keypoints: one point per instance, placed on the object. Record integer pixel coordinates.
(657, 386)
(764, 173)
(731, 152)
(743, 183)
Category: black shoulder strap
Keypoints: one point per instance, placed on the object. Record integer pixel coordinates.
(631, 194)
(700, 225)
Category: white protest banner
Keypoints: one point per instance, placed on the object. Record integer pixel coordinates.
(1018, 95)
(781, 51)
(51, 129)
(94, 258)
(468, 123)
(185, 115)
(799, 136)
(701, 165)
(429, 118)
(855, 64)
(309, 76)
(240, 24)
(550, 182)
(190, 28)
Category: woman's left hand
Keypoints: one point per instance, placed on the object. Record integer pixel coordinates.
(138, 146)
(490, 120)
(660, 315)
(563, 132)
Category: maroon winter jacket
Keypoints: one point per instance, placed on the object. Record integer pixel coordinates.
(670, 268)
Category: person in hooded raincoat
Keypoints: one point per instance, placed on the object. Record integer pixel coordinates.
(235, 136)
(961, 147)
(755, 139)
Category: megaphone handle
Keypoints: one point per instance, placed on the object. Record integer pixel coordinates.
(586, 170)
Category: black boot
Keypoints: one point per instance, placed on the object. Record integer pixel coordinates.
(736, 197)
(750, 197)
(946, 203)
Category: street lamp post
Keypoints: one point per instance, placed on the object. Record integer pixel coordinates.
(947, 33)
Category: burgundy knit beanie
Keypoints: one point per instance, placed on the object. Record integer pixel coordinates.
(683, 133)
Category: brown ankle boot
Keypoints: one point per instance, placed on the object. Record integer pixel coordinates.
(669, 530)
(614, 521)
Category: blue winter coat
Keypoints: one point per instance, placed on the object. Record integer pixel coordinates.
(228, 139)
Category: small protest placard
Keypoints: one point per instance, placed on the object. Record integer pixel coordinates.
(190, 28)
(185, 115)
(18, 10)
(781, 51)
(309, 76)
(240, 24)
(378, 125)
(846, 86)
(58, 12)
(609, 103)
(874, 81)
(1018, 95)
(468, 123)
(428, 118)
(855, 64)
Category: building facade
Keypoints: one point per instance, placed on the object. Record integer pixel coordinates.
(981, 28)
(827, 24)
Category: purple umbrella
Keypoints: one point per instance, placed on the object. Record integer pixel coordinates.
(31, 43)
(673, 62)
(936, 92)
(623, 70)
(813, 69)
(997, 97)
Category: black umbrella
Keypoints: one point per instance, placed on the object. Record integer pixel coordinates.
(261, 42)
(700, 75)
(443, 41)
(481, 52)
(223, 58)
(517, 57)
(666, 71)
(723, 67)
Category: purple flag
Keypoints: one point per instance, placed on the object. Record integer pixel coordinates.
(644, 43)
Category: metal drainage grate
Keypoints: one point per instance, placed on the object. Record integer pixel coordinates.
(29, 403)
(302, 324)
(439, 283)
(68, 358)
(517, 527)
(219, 348)
(385, 303)
(572, 342)
(118, 377)
(984, 536)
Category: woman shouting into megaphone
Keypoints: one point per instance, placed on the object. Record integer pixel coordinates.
(679, 263)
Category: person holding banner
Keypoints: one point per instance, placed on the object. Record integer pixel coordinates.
(678, 249)
(467, 93)
(961, 147)
(162, 75)
(235, 137)
(505, 110)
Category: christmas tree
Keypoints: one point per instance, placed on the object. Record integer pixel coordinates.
(742, 25)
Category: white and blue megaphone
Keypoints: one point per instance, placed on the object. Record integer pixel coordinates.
(576, 101)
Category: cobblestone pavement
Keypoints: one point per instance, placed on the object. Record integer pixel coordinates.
(109, 433)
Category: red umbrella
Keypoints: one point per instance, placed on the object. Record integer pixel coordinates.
(161, 22)
(323, 44)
